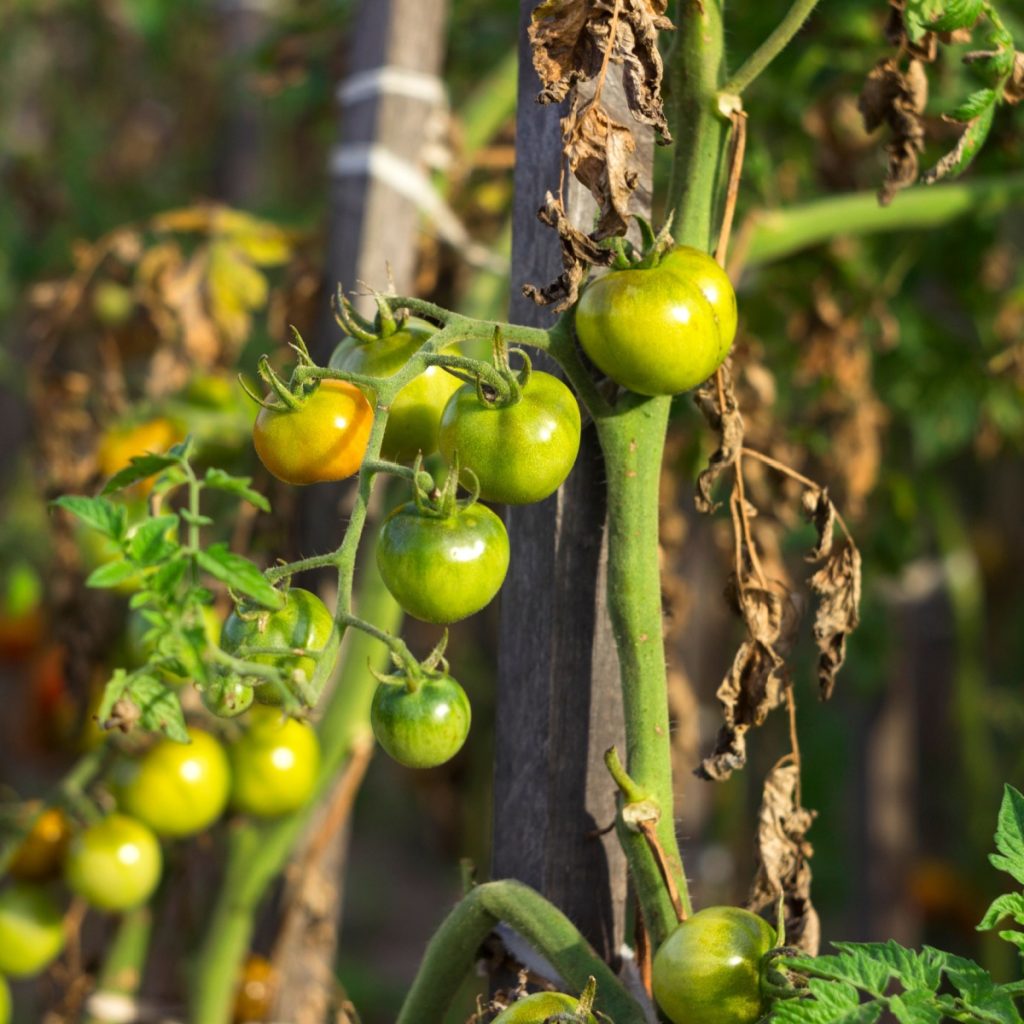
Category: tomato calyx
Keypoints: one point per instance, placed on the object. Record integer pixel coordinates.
(443, 502)
(413, 674)
(653, 246)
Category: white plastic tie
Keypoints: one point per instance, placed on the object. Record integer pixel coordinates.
(391, 81)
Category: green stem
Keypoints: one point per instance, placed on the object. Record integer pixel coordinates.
(771, 47)
(279, 572)
(774, 234)
(453, 950)
(119, 980)
(632, 440)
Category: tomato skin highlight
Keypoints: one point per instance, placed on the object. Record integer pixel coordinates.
(520, 453)
(323, 440)
(177, 789)
(537, 1008)
(708, 970)
(303, 622)
(415, 414)
(274, 764)
(421, 728)
(443, 568)
(703, 270)
(114, 864)
(31, 930)
(652, 331)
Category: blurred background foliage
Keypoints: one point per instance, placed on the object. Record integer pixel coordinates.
(162, 168)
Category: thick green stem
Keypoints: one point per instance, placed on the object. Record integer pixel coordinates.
(122, 969)
(454, 949)
(771, 47)
(632, 439)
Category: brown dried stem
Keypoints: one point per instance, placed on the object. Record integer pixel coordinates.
(648, 829)
(737, 150)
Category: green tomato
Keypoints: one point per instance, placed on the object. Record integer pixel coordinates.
(5, 1001)
(520, 453)
(227, 697)
(652, 331)
(704, 271)
(303, 622)
(31, 930)
(177, 789)
(443, 568)
(708, 971)
(537, 1008)
(274, 764)
(415, 414)
(424, 727)
(114, 864)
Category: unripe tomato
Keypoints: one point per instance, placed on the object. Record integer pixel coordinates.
(537, 1008)
(520, 453)
(424, 727)
(177, 789)
(31, 930)
(303, 622)
(415, 414)
(443, 568)
(5, 1001)
(652, 331)
(708, 970)
(274, 764)
(41, 853)
(704, 271)
(227, 697)
(324, 439)
(113, 303)
(114, 864)
(121, 442)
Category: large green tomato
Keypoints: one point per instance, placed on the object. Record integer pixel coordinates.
(31, 930)
(520, 453)
(708, 970)
(652, 331)
(537, 1008)
(443, 568)
(274, 764)
(415, 414)
(177, 789)
(5, 1001)
(703, 270)
(424, 727)
(114, 864)
(303, 622)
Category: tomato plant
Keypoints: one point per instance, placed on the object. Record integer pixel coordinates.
(114, 864)
(177, 789)
(323, 437)
(708, 971)
(653, 330)
(274, 764)
(421, 722)
(441, 567)
(303, 623)
(31, 929)
(539, 1007)
(519, 452)
(41, 853)
(415, 414)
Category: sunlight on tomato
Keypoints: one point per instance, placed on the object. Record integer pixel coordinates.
(41, 853)
(121, 442)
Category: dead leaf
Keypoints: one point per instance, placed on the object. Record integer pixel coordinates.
(819, 510)
(1013, 92)
(728, 424)
(783, 855)
(837, 584)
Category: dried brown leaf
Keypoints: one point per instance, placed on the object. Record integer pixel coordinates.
(600, 151)
(837, 584)
(819, 510)
(636, 46)
(728, 424)
(783, 855)
(578, 252)
(564, 49)
(1013, 92)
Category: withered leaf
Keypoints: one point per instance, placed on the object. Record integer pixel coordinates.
(783, 855)
(837, 584)
(1013, 91)
(600, 150)
(578, 252)
(642, 67)
(728, 424)
(564, 51)
(819, 510)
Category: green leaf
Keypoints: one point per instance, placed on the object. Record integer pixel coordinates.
(239, 574)
(195, 520)
(107, 517)
(957, 14)
(238, 485)
(974, 105)
(959, 158)
(1010, 904)
(977, 990)
(830, 1003)
(1010, 835)
(113, 574)
(166, 579)
(916, 1007)
(159, 706)
(140, 468)
(150, 543)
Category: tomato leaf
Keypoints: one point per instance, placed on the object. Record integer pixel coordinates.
(159, 707)
(106, 517)
(239, 574)
(1010, 835)
(113, 574)
(166, 579)
(140, 468)
(151, 544)
(238, 485)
